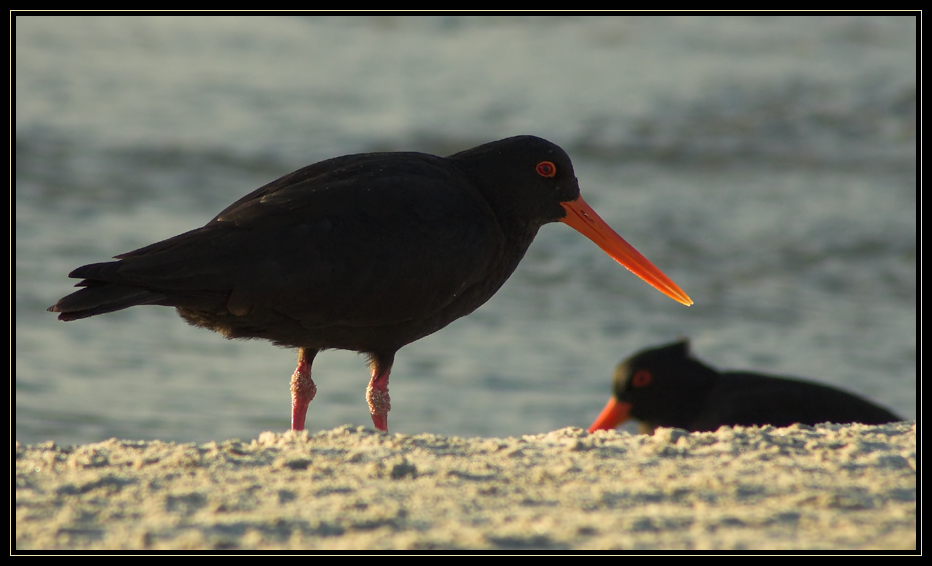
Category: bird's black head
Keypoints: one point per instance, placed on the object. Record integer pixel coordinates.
(528, 182)
(660, 383)
(525, 177)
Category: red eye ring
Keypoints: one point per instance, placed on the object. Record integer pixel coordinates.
(641, 378)
(546, 169)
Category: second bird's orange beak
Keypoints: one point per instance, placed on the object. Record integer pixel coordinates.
(614, 413)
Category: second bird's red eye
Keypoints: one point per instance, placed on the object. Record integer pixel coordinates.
(641, 378)
(546, 169)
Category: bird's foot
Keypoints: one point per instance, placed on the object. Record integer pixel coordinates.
(379, 405)
(303, 389)
(377, 395)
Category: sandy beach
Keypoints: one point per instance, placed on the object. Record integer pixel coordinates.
(803, 488)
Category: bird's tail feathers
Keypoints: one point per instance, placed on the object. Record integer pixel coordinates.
(97, 298)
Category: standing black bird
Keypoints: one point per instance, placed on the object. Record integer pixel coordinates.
(365, 252)
(666, 387)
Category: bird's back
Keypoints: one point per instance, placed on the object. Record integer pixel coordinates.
(349, 252)
(745, 398)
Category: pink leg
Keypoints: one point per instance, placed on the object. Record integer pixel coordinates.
(302, 388)
(377, 392)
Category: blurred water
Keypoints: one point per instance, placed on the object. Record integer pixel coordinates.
(767, 165)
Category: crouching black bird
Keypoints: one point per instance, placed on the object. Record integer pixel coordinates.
(667, 387)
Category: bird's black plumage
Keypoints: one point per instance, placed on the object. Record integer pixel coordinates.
(360, 252)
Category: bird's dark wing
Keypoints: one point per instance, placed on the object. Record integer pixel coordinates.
(359, 169)
(364, 244)
(743, 398)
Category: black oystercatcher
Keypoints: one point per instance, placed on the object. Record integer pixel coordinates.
(364, 252)
(664, 386)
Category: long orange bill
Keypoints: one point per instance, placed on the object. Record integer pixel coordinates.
(615, 413)
(584, 220)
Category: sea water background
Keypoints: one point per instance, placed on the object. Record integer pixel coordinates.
(767, 165)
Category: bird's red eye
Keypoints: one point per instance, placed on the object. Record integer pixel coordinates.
(641, 378)
(546, 169)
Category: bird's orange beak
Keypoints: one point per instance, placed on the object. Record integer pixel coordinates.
(584, 220)
(615, 413)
